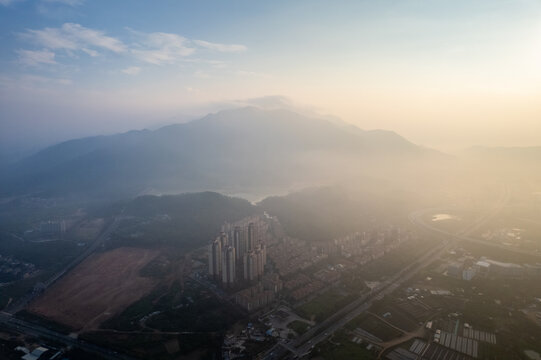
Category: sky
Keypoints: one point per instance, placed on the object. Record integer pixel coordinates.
(444, 74)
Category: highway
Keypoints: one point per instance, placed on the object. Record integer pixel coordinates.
(417, 218)
(20, 304)
(383, 289)
(305, 343)
(7, 321)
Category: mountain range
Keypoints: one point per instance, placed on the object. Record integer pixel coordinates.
(245, 149)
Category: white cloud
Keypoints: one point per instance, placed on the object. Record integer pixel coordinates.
(157, 48)
(192, 90)
(66, 2)
(8, 2)
(220, 47)
(74, 37)
(166, 48)
(201, 74)
(90, 52)
(217, 64)
(51, 38)
(30, 80)
(93, 37)
(33, 58)
(162, 48)
(132, 70)
(252, 74)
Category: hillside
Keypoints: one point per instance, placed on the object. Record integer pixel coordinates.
(245, 149)
(184, 221)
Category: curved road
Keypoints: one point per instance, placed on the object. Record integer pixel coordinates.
(417, 218)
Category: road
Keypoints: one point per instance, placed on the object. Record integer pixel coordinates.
(303, 345)
(383, 289)
(20, 304)
(417, 218)
(7, 321)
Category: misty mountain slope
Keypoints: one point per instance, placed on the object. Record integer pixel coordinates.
(233, 149)
(532, 153)
(72, 149)
(322, 213)
(185, 221)
(506, 162)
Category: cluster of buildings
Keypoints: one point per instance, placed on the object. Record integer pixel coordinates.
(513, 237)
(505, 236)
(39, 353)
(364, 247)
(468, 268)
(12, 269)
(47, 230)
(234, 346)
(237, 259)
(329, 276)
(488, 267)
(255, 297)
(239, 253)
(261, 294)
(308, 289)
(52, 228)
(292, 255)
(301, 286)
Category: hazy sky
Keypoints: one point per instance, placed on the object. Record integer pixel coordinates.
(446, 74)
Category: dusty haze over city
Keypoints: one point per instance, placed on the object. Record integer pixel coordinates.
(270, 180)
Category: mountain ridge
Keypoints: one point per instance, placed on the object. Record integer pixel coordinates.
(243, 147)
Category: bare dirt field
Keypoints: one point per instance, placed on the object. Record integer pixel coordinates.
(99, 287)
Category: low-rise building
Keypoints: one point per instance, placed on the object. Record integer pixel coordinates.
(482, 268)
(468, 273)
(499, 268)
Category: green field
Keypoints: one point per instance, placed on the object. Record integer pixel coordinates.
(342, 347)
(374, 326)
(492, 305)
(324, 305)
(394, 261)
(300, 327)
(191, 309)
(154, 346)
